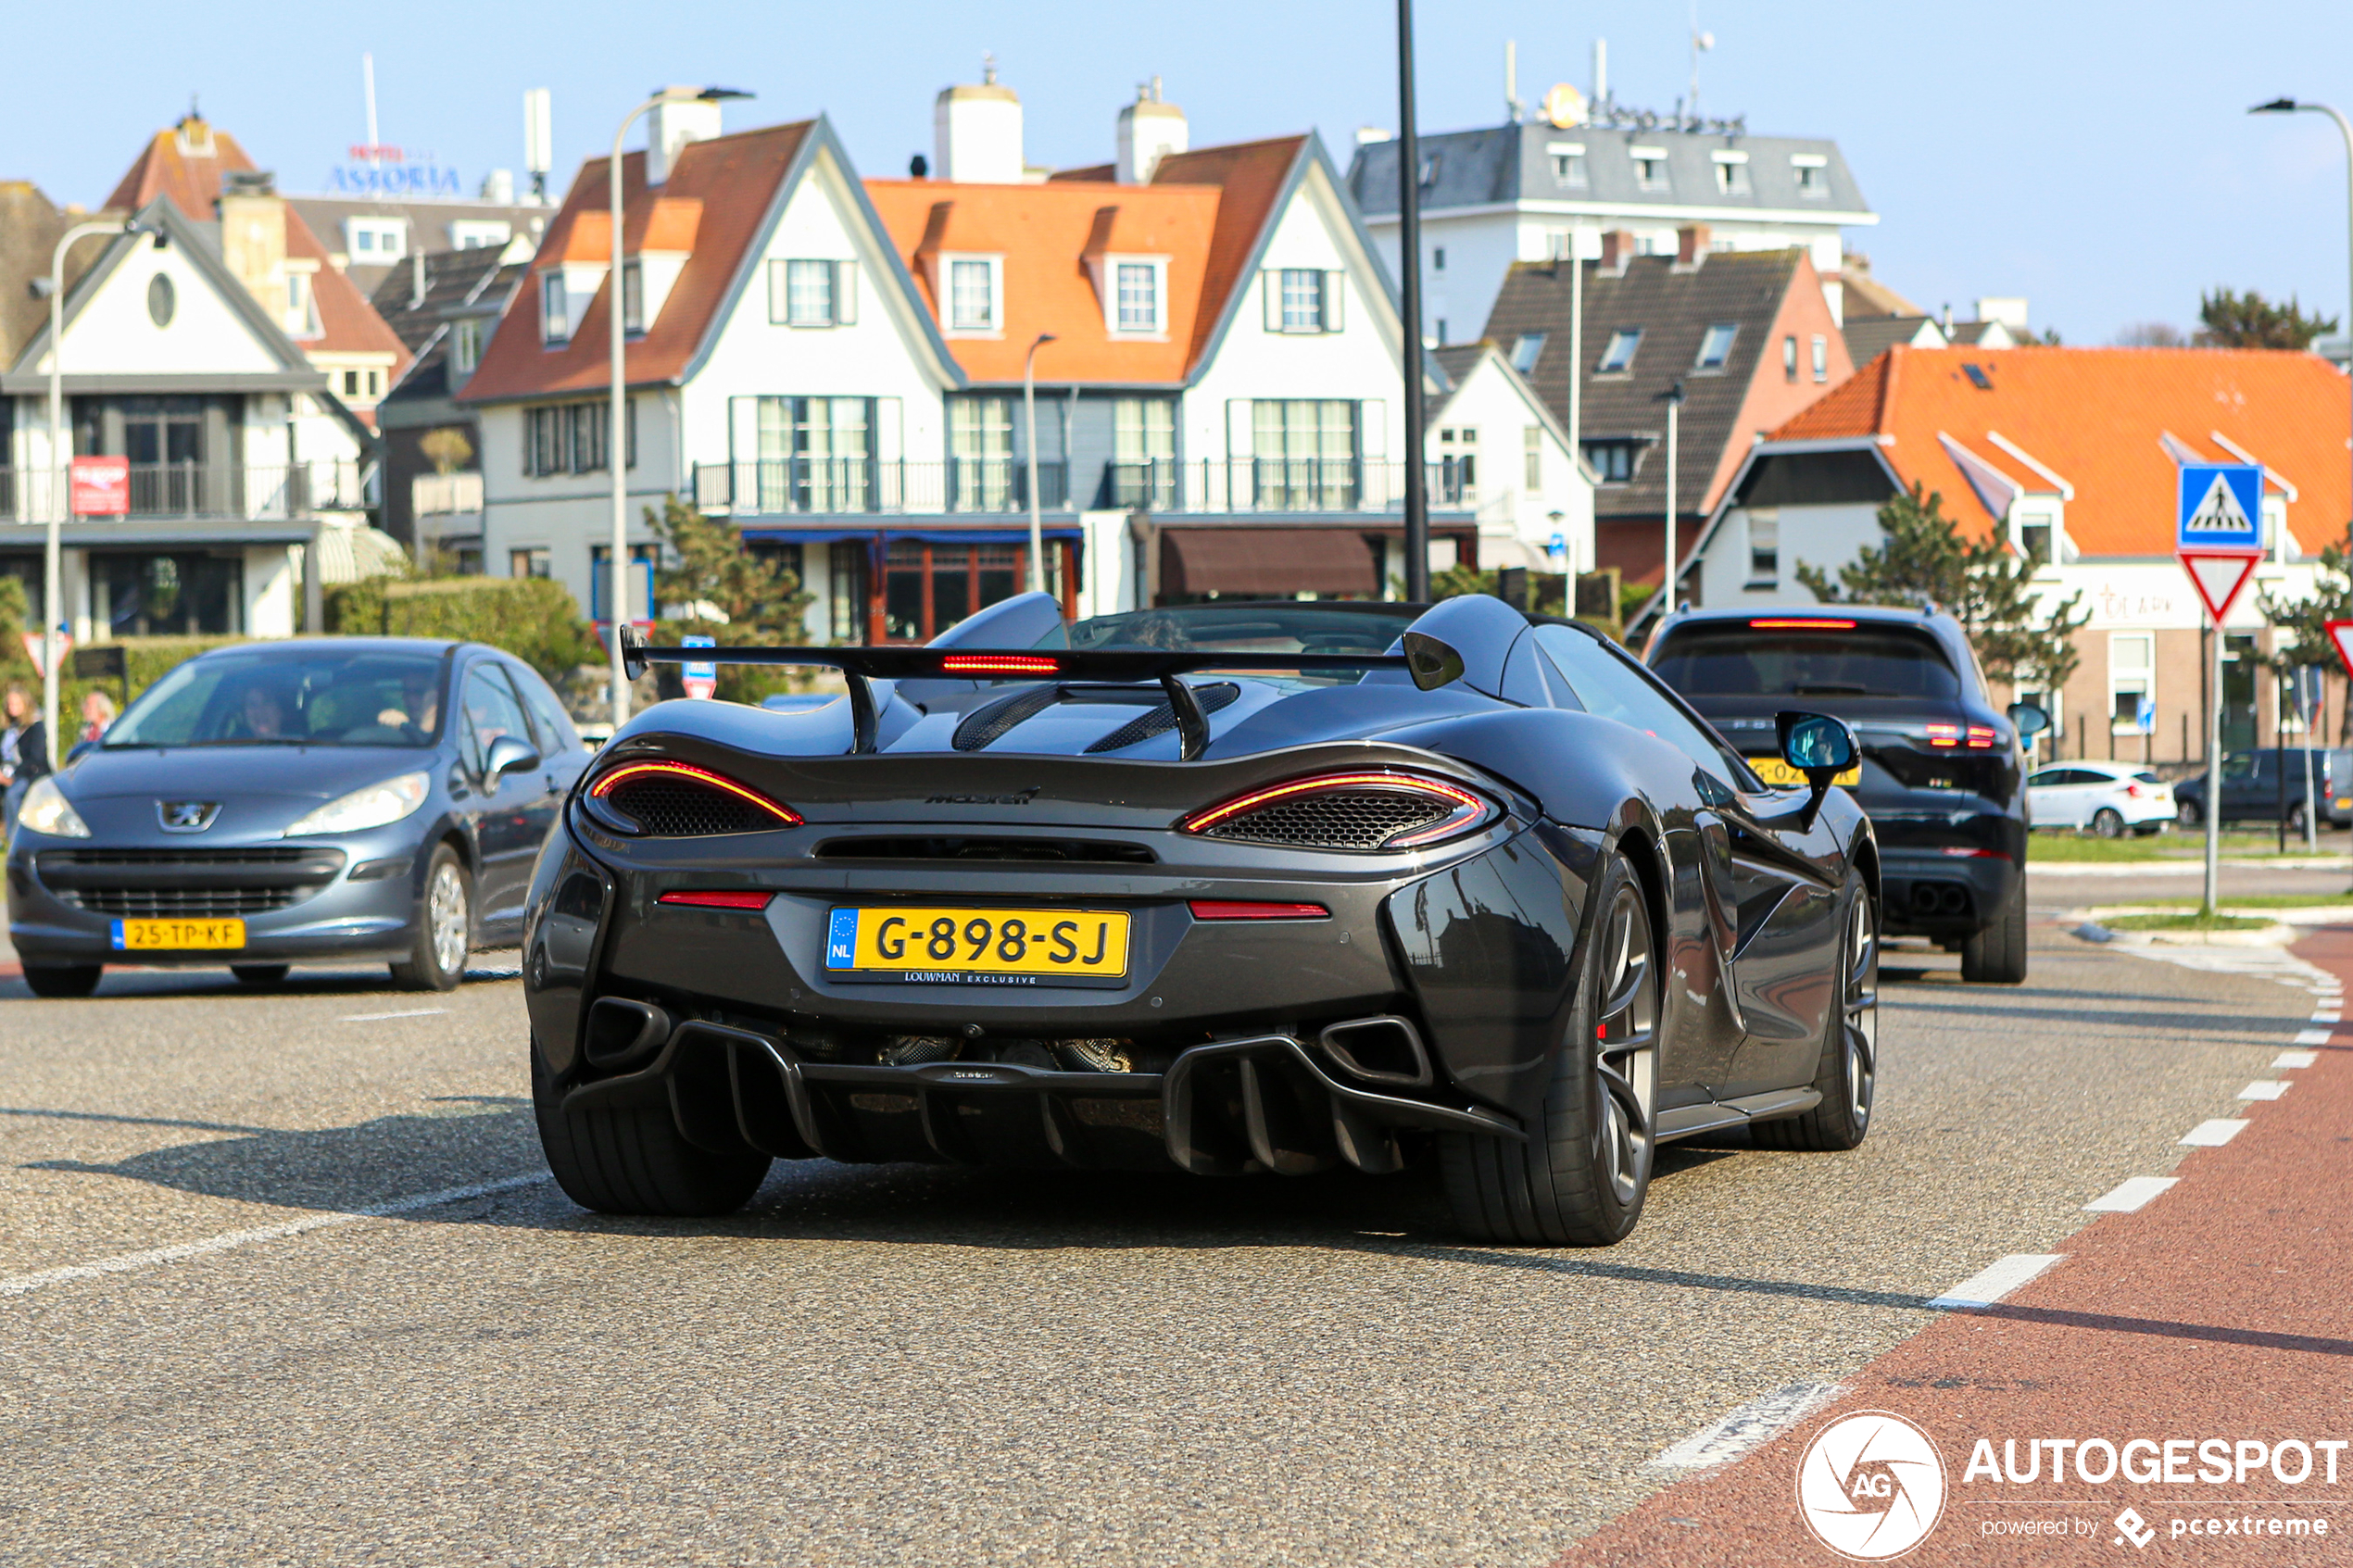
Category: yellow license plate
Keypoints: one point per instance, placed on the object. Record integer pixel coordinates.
(977, 947)
(183, 936)
(1781, 775)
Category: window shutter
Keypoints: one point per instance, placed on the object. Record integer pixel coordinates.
(778, 312)
(1239, 435)
(1335, 291)
(1272, 282)
(845, 293)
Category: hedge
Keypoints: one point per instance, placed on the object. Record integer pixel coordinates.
(532, 618)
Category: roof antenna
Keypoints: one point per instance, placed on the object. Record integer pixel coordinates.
(987, 68)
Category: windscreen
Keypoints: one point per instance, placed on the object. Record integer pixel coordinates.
(1276, 627)
(287, 696)
(1734, 658)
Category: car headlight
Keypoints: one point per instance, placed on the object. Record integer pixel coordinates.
(46, 810)
(368, 807)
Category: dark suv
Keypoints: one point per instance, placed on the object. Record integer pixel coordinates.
(2268, 785)
(1941, 775)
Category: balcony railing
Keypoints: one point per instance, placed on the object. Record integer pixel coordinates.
(835, 486)
(225, 492)
(1277, 485)
(433, 494)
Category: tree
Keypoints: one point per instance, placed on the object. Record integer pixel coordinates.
(15, 663)
(1926, 562)
(446, 449)
(2151, 334)
(2248, 321)
(727, 592)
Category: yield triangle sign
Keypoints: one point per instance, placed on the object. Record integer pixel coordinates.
(2341, 635)
(2218, 577)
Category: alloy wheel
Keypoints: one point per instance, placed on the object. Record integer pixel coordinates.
(1859, 990)
(445, 918)
(1625, 1046)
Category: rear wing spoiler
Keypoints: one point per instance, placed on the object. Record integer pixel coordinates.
(1428, 661)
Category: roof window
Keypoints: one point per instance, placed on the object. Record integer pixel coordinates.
(1977, 377)
(1812, 170)
(1731, 172)
(1568, 162)
(1650, 167)
(1715, 345)
(1619, 357)
(1527, 351)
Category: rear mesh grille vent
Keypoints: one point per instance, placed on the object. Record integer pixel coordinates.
(983, 726)
(1162, 719)
(1347, 818)
(667, 805)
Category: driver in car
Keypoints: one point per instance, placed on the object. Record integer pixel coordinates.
(419, 707)
(262, 716)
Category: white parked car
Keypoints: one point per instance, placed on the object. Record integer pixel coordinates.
(2105, 798)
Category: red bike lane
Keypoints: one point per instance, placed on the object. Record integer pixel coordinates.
(2210, 1330)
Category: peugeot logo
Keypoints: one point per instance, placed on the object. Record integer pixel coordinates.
(186, 816)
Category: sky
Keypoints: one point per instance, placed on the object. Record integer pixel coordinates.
(2094, 157)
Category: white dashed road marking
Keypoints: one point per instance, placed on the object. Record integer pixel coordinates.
(2213, 1134)
(229, 1241)
(1747, 1427)
(2313, 1037)
(2132, 1194)
(2325, 1018)
(1984, 1288)
(2297, 1058)
(2264, 1088)
(381, 1017)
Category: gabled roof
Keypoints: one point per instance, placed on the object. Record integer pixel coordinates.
(1868, 336)
(456, 282)
(1208, 211)
(2098, 420)
(1672, 307)
(1505, 165)
(187, 166)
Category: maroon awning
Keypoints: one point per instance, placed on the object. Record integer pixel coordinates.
(1276, 561)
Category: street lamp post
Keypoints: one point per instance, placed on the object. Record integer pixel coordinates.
(60, 458)
(1029, 415)
(1674, 412)
(617, 429)
(2344, 128)
(1409, 238)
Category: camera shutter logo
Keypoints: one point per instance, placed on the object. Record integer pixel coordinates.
(1871, 1486)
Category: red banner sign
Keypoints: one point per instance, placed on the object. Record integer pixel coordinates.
(101, 488)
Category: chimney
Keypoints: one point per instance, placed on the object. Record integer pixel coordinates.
(977, 132)
(1691, 245)
(1618, 249)
(670, 126)
(1150, 128)
(253, 238)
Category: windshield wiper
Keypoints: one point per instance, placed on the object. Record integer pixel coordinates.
(258, 740)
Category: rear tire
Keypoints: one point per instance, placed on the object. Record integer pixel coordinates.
(2188, 814)
(1996, 956)
(2295, 818)
(1847, 1078)
(633, 1159)
(1580, 1180)
(444, 928)
(63, 980)
(2107, 822)
(261, 975)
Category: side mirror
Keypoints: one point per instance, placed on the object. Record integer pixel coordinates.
(509, 754)
(2029, 720)
(1823, 749)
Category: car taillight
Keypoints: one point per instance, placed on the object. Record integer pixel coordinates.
(1979, 737)
(2132, 791)
(718, 901)
(998, 664)
(1365, 810)
(667, 800)
(1943, 734)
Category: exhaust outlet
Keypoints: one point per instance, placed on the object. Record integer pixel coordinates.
(623, 1033)
(1385, 1050)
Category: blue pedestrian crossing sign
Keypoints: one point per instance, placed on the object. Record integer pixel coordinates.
(2220, 508)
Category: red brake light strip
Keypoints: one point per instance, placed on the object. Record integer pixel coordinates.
(998, 664)
(1943, 734)
(718, 901)
(1801, 623)
(1980, 736)
(615, 777)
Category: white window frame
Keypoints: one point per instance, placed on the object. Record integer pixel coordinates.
(1568, 163)
(1764, 548)
(480, 233)
(465, 344)
(1108, 285)
(1821, 357)
(1811, 171)
(302, 304)
(950, 322)
(378, 228)
(1609, 364)
(1651, 172)
(2136, 678)
(1329, 288)
(555, 309)
(1528, 349)
(632, 295)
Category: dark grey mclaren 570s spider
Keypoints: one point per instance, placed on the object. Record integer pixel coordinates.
(1267, 887)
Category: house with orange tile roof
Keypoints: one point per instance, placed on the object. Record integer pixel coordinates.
(247, 481)
(2066, 456)
(837, 367)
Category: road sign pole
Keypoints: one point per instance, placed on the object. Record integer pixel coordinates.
(2214, 776)
(2218, 537)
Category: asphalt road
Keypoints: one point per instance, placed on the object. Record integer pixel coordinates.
(904, 1363)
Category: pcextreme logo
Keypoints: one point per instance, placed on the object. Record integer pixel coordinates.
(1871, 1486)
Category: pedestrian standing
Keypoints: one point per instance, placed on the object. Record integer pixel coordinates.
(28, 752)
(98, 715)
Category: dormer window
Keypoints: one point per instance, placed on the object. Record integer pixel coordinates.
(1812, 171)
(375, 241)
(1568, 162)
(1136, 296)
(975, 293)
(1650, 167)
(1731, 172)
(465, 345)
(555, 311)
(633, 296)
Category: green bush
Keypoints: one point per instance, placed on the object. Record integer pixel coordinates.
(532, 618)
